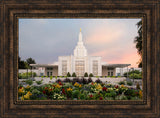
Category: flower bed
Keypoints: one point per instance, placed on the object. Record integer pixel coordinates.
(78, 91)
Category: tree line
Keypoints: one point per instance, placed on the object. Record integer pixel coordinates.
(25, 64)
(138, 41)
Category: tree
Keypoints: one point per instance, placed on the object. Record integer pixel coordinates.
(85, 74)
(21, 64)
(74, 75)
(25, 64)
(138, 41)
(30, 61)
(68, 74)
(131, 72)
(90, 75)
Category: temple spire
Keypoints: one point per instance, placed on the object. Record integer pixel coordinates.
(80, 35)
(80, 49)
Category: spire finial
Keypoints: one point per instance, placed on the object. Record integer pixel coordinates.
(80, 29)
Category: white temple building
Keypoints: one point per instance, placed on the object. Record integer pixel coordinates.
(79, 63)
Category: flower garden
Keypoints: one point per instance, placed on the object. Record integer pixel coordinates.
(79, 89)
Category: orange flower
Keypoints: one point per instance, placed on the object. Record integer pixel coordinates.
(140, 94)
(80, 85)
(122, 85)
(69, 89)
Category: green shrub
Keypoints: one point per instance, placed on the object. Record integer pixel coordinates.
(51, 77)
(129, 92)
(98, 81)
(97, 76)
(25, 76)
(29, 81)
(35, 91)
(85, 74)
(39, 82)
(129, 83)
(74, 75)
(90, 80)
(135, 76)
(121, 97)
(82, 96)
(68, 74)
(90, 75)
(121, 82)
(131, 72)
(75, 94)
(111, 94)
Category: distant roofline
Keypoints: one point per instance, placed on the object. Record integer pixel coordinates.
(116, 65)
(43, 65)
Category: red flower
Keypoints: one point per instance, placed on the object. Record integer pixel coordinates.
(104, 88)
(50, 89)
(92, 83)
(60, 83)
(63, 91)
(46, 88)
(100, 98)
(91, 96)
(20, 87)
(136, 93)
(116, 86)
(44, 92)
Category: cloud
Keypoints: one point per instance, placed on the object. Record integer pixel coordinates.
(46, 39)
(129, 57)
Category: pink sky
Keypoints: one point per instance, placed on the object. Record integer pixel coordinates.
(114, 43)
(110, 38)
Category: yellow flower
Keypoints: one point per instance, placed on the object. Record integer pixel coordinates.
(20, 90)
(26, 96)
(76, 84)
(27, 86)
(57, 86)
(99, 87)
(140, 94)
(69, 89)
(80, 85)
(95, 83)
(22, 98)
(29, 93)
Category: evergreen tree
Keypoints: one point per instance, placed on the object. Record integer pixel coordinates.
(90, 75)
(74, 75)
(30, 61)
(22, 64)
(68, 74)
(85, 74)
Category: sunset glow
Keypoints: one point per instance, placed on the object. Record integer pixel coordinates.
(113, 39)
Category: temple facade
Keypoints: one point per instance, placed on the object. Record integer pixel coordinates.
(80, 62)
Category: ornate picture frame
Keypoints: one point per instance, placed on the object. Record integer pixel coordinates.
(12, 10)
